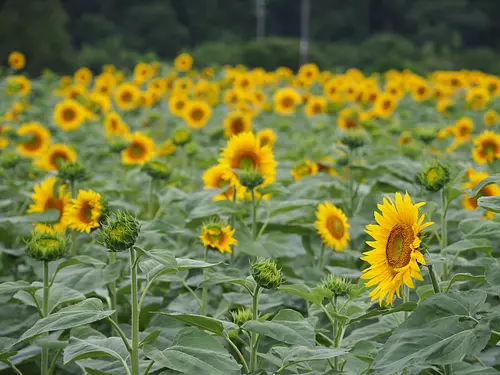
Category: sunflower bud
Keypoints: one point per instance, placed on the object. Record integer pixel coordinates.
(266, 273)
(157, 170)
(10, 160)
(242, 316)
(191, 148)
(181, 137)
(72, 172)
(434, 177)
(339, 286)
(120, 233)
(117, 144)
(354, 139)
(426, 135)
(251, 178)
(46, 246)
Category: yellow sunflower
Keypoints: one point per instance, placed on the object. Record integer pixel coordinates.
(385, 106)
(332, 226)
(395, 255)
(83, 76)
(237, 122)
(17, 60)
(142, 72)
(487, 147)
(196, 114)
(85, 212)
(217, 177)
(491, 117)
(348, 118)
(304, 169)
(4, 141)
(34, 139)
(44, 198)
(266, 137)
(285, 101)
(243, 151)
(308, 73)
(69, 114)
(55, 157)
(126, 96)
(463, 129)
(18, 85)
(218, 237)
(315, 105)
(140, 150)
(114, 125)
(492, 190)
(167, 148)
(177, 103)
(183, 62)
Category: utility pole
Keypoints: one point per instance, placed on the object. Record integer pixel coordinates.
(305, 17)
(261, 18)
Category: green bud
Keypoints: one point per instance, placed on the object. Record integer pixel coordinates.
(10, 160)
(242, 316)
(72, 172)
(250, 178)
(426, 135)
(395, 128)
(46, 246)
(434, 177)
(157, 170)
(266, 273)
(339, 286)
(191, 148)
(354, 139)
(117, 144)
(120, 233)
(181, 137)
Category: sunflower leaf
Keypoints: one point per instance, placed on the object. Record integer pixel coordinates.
(494, 179)
(489, 203)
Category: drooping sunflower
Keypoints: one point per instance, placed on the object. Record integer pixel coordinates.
(315, 105)
(114, 125)
(332, 226)
(34, 139)
(196, 114)
(244, 151)
(85, 212)
(487, 147)
(218, 236)
(126, 96)
(395, 256)
(304, 169)
(16, 60)
(491, 117)
(217, 177)
(177, 103)
(69, 114)
(183, 62)
(45, 198)
(266, 137)
(286, 100)
(140, 150)
(55, 156)
(237, 122)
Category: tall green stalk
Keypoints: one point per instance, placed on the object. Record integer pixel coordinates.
(134, 356)
(203, 307)
(45, 311)
(150, 201)
(112, 288)
(254, 337)
(254, 216)
(444, 229)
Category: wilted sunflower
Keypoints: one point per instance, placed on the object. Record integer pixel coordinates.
(395, 255)
(55, 157)
(266, 137)
(285, 101)
(114, 125)
(176, 104)
(244, 152)
(85, 212)
(44, 198)
(332, 226)
(140, 150)
(183, 62)
(196, 114)
(237, 122)
(126, 96)
(217, 177)
(487, 147)
(491, 117)
(304, 169)
(217, 236)
(315, 105)
(16, 60)
(69, 114)
(34, 139)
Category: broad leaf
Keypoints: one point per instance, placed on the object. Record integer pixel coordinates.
(11, 287)
(494, 179)
(489, 203)
(476, 244)
(298, 354)
(203, 322)
(95, 347)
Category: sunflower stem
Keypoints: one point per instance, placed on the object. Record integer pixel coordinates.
(444, 229)
(134, 356)
(203, 307)
(321, 263)
(435, 284)
(45, 311)
(254, 218)
(254, 339)
(112, 289)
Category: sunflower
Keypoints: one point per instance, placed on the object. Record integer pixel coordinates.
(285, 101)
(420, 91)
(385, 106)
(126, 96)
(237, 122)
(140, 150)
(477, 97)
(315, 105)
(16, 60)
(243, 151)
(85, 212)
(196, 114)
(34, 139)
(304, 169)
(463, 129)
(114, 125)
(492, 190)
(308, 73)
(104, 84)
(44, 199)
(266, 137)
(18, 85)
(491, 117)
(332, 226)
(487, 147)
(69, 114)
(218, 236)
(217, 177)
(183, 62)
(83, 76)
(177, 103)
(55, 156)
(4, 140)
(332, 90)
(99, 103)
(142, 72)
(167, 148)
(395, 255)
(348, 118)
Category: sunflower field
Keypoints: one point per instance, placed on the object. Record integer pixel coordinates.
(227, 220)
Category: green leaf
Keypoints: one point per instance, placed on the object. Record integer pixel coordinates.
(59, 294)
(312, 295)
(298, 354)
(476, 244)
(195, 352)
(440, 331)
(465, 277)
(489, 203)
(494, 179)
(78, 349)
(200, 321)
(493, 276)
(85, 312)
(11, 287)
(150, 338)
(222, 279)
(477, 228)
(287, 326)
(81, 259)
(164, 257)
(407, 306)
(48, 216)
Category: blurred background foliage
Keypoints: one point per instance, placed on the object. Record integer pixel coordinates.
(373, 35)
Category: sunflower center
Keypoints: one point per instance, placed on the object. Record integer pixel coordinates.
(287, 102)
(247, 162)
(490, 148)
(136, 150)
(33, 143)
(386, 105)
(179, 104)
(264, 141)
(432, 175)
(350, 123)
(58, 158)
(53, 203)
(398, 248)
(197, 114)
(127, 96)
(85, 214)
(69, 114)
(336, 227)
(421, 90)
(237, 125)
(214, 234)
(463, 131)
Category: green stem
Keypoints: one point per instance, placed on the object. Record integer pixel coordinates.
(13, 367)
(203, 308)
(150, 201)
(191, 291)
(45, 311)
(73, 232)
(254, 216)
(135, 315)
(448, 370)
(240, 356)
(233, 219)
(435, 284)
(406, 298)
(112, 289)
(321, 263)
(54, 362)
(146, 372)
(120, 333)
(444, 229)
(254, 336)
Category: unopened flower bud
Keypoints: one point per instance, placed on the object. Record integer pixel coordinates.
(266, 273)
(434, 177)
(339, 286)
(120, 233)
(157, 170)
(354, 139)
(72, 172)
(242, 316)
(251, 178)
(46, 246)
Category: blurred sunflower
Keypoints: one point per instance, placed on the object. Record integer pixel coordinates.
(218, 236)
(55, 156)
(487, 147)
(183, 62)
(177, 103)
(237, 122)
(140, 150)
(266, 137)
(18, 85)
(348, 118)
(99, 103)
(315, 105)
(285, 101)
(385, 106)
(142, 72)
(4, 140)
(85, 212)
(167, 148)
(463, 129)
(492, 190)
(16, 60)
(308, 73)
(304, 169)
(491, 117)
(477, 97)
(83, 76)
(217, 177)
(69, 114)
(114, 125)
(395, 255)
(126, 96)
(332, 226)
(34, 139)
(196, 114)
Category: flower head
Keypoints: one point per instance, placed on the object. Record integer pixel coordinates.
(121, 232)
(266, 273)
(217, 235)
(46, 246)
